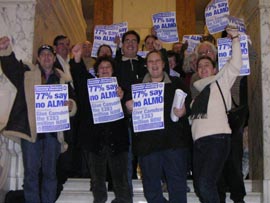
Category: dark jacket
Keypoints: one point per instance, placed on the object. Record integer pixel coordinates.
(175, 134)
(128, 71)
(93, 137)
(21, 122)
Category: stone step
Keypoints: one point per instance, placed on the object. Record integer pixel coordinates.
(78, 190)
(84, 185)
(86, 197)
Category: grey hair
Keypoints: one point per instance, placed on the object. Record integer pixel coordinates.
(186, 65)
(212, 46)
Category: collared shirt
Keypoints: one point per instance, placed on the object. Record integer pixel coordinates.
(124, 58)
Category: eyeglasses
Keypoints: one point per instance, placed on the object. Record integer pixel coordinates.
(133, 41)
(207, 52)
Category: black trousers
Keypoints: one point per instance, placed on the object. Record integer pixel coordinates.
(118, 169)
(231, 179)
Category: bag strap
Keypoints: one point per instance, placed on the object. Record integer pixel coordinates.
(226, 110)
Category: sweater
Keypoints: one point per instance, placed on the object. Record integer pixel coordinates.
(216, 121)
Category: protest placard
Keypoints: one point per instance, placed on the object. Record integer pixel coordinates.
(105, 34)
(104, 101)
(239, 23)
(193, 41)
(216, 15)
(52, 114)
(148, 106)
(122, 28)
(166, 27)
(225, 53)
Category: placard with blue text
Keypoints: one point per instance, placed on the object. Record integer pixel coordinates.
(239, 23)
(216, 15)
(104, 34)
(52, 114)
(225, 53)
(166, 27)
(148, 106)
(193, 41)
(105, 103)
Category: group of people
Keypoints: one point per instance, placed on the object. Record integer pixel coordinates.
(163, 155)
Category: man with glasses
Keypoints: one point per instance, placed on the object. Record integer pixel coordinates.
(129, 68)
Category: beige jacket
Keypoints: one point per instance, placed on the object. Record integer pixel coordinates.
(32, 78)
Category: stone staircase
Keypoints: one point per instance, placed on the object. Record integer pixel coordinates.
(78, 191)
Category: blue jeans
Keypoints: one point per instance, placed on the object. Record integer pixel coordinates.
(209, 156)
(40, 156)
(118, 168)
(172, 163)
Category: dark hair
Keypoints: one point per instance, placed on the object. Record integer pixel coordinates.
(171, 53)
(58, 38)
(131, 32)
(158, 52)
(104, 45)
(208, 58)
(224, 34)
(209, 38)
(150, 36)
(101, 59)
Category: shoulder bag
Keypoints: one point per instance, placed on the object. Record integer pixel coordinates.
(237, 116)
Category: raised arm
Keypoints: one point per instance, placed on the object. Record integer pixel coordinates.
(236, 59)
(11, 67)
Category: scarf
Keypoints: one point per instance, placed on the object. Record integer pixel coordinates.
(200, 104)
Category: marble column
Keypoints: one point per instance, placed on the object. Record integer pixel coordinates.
(251, 13)
(264, 6)
(16, 22)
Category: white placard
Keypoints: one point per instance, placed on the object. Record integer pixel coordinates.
(105, 103)
(166, 27)
(51, 113)
(216, 15)
(239, 23)
(193, 41)
(225, 53)
(143, 54)
(148, 107)
(122, 28)
(105, 34)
